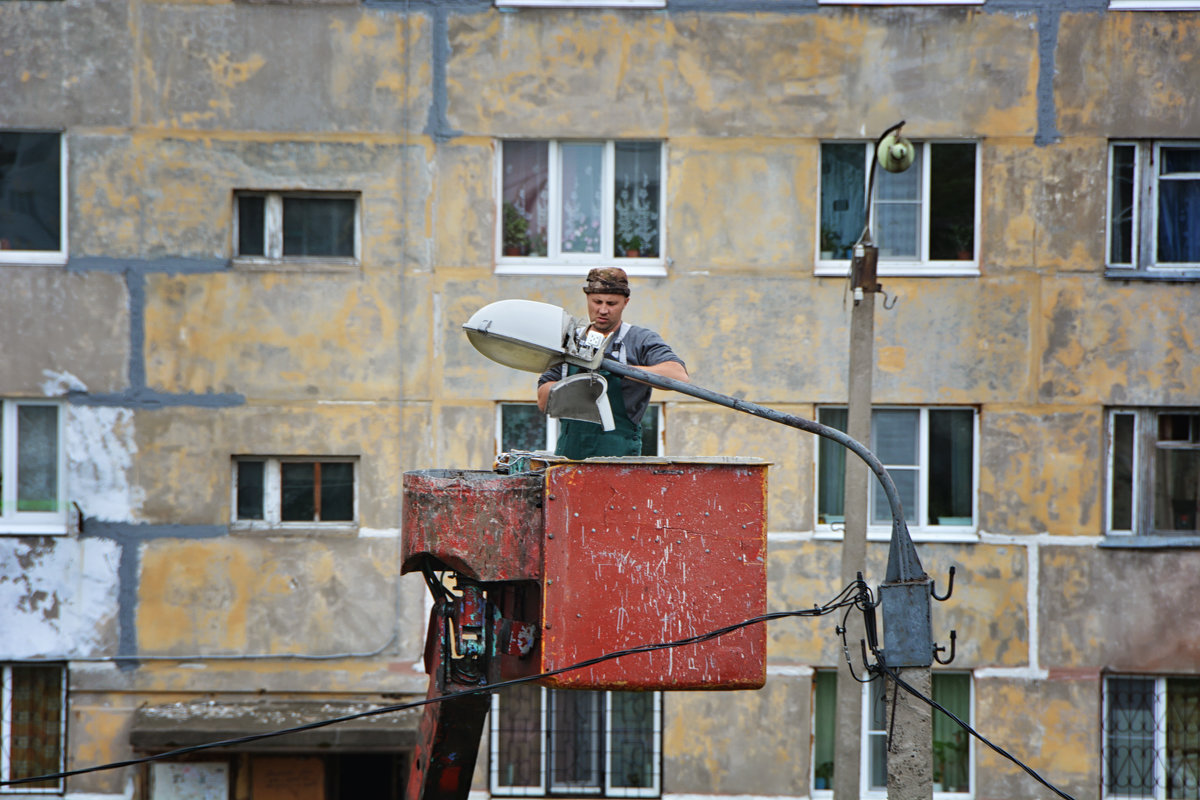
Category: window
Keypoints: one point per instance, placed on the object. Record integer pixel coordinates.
(953, 748)
(275, 227)
(925, 218)
(32, 465)
(520, 426)
(567, 206)
(930, 454)
(1153, 5)
(1153, 208)
(1152, 737)
(275, 491)
(573, 742)
(32, 726)
(33, 194)
(583, 3)
(1154, 472)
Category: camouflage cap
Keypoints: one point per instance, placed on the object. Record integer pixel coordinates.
(607, 280)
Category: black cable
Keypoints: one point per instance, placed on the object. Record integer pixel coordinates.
(839, 601)
(895, 676)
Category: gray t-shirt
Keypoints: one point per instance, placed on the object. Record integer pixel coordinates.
(643, 348)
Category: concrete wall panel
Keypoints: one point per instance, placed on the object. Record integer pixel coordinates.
(62, 331)
(753, 743)
(314, 69)
(1119, 343)
(266, 335)
(847, 71)
(1050, 725)
(1041, 471)
(66, 64)
(1125, 75)
(1107, 609)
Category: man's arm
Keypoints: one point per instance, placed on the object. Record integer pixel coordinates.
(669, 369)
(543, 394)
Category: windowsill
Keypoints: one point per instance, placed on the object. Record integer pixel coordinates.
(635, 268)
(294, 528)
(253, 264)
(879, 533)
(1153, 5)
(28, 258)
(1131, 274)
(57, 528)
(1119, 541)
(902, 269)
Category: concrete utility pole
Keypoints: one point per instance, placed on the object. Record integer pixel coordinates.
(847, 750)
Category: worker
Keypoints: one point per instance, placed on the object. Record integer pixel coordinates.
(607, 291)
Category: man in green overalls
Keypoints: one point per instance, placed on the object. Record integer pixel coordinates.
(607, 291)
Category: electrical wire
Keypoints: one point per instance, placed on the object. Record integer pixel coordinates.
(841, 600)
(895, 676)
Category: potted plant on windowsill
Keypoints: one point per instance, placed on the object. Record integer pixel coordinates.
(831, 243)
(515, 231)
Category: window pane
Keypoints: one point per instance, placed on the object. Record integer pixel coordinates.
(1120, 212)
(843, 189)
(582, 167)
(1183, 738)
(877, 737)
(297, 498)
(35, 746)
(637, 197)
(824, 727)
(526, 198)
(252, 216)
(894, 436)
(250, 489)
(906, 487)
(576, 758)
(951, 748)
(1129, 736)
(337, 491)
(315, 226)
(37, 458)
(30, 196)
(831, 472)
(951, 466)
(951, 201)
(898, 211)
(631, 739)
(1179, 221)
(522, 427)
(650, 430)
(1177, 490)
(1121, 491)
(519, 736)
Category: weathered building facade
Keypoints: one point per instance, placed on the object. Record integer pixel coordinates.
(237, 244)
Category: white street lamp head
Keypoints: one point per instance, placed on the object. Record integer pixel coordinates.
(895, 153)
(532, 336)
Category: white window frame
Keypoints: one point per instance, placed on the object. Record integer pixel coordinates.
(272, 510)
(1160, 735)
(40, 523)
(543, 788)
(1144, 436)
(1153, 5)
(273, 257)
(5, 733)
(901, 267)
(866, 733)
(569, 264)
(552, 426)
(916, 518)
(57, 257)
(1144, 263)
